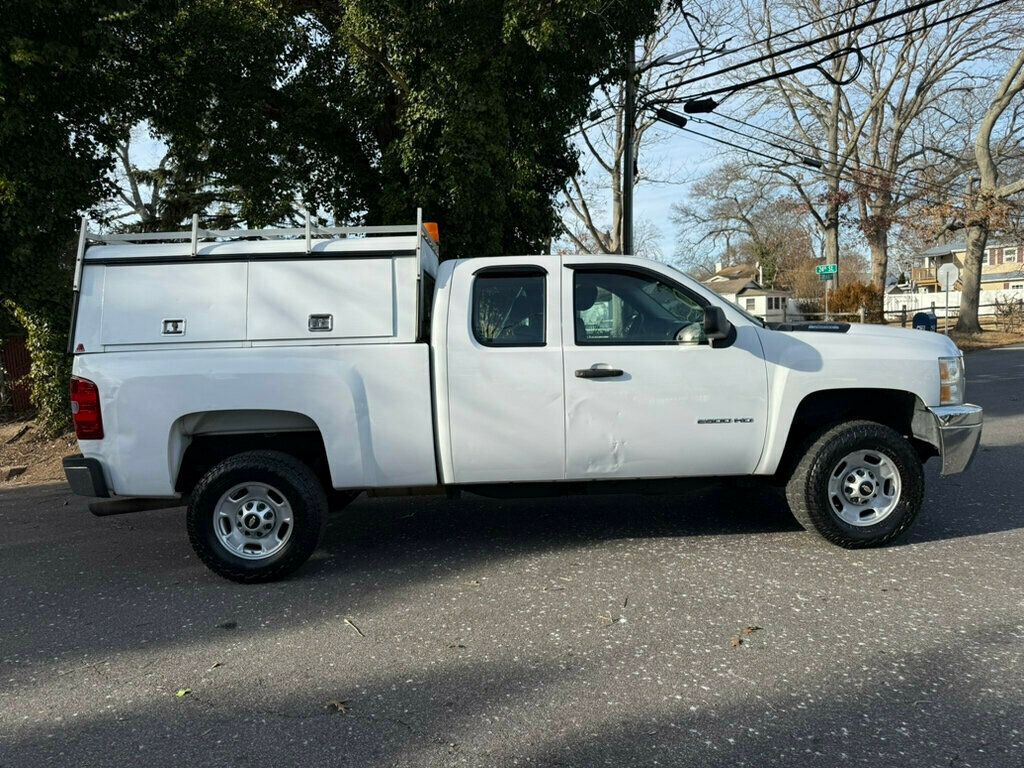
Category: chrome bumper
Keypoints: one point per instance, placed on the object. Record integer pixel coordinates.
(954, 430)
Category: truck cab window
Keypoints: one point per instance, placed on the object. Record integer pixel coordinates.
(621, 307)
(508, 308)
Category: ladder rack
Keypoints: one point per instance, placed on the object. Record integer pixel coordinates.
(309, 231)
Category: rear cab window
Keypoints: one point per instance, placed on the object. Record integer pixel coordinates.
(509, 306)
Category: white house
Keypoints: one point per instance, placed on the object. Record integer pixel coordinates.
(745, 292)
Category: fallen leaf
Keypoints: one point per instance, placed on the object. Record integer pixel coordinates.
(459, 646)
(751, 630)
(736, 642)
(183, 692)
(340, 706)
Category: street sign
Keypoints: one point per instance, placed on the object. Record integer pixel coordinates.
(826, 269)
(825, 278)
(947, 276)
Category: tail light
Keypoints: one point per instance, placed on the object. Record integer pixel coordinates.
(85, 409)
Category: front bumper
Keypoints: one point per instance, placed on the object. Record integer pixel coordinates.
(85, 476)
(954, 430)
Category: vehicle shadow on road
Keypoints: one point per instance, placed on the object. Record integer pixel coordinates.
(413, 524)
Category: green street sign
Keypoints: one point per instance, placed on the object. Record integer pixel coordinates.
(826, 269)
(826, 278)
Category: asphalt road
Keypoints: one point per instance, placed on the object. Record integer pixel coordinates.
(577, 632)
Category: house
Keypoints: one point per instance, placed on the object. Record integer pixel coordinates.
(746, 293)
(1002, 267)
(734, 272)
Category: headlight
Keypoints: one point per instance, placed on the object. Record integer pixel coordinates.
(951, 380)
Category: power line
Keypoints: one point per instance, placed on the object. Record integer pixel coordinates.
(905, 177)
(813, 22)
(794, 164)
(822, 39)
(825, 38)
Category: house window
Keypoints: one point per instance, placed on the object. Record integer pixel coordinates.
(984, 257)
(749, 304)
(1017, 286)
(1010, 255)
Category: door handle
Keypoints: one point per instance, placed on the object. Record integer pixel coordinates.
(598, 373)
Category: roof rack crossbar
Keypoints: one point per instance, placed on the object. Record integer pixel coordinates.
(197, 235)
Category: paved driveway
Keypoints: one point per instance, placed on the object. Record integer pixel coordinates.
(579, 632)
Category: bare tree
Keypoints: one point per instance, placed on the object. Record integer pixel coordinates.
(592, 219)
(134, 183)
(989, 202)
(922, 69)
(733, 215)
(858, 118)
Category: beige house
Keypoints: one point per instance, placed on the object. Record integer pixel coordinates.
(1002, 267)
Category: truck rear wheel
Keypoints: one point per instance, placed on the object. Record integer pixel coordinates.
(859, 484)
(257, 516)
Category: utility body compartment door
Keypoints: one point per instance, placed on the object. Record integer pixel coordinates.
(640, 403)
(506, 417)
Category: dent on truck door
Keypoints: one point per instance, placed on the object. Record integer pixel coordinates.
(505, 400)
(645, 394)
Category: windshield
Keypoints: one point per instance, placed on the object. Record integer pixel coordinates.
(752, 318)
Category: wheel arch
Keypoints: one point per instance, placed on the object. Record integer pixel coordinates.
(200, 440)
(825, 408)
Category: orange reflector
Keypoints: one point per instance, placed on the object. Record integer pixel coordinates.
(431, 227)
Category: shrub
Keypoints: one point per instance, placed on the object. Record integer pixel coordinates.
(850, 297)
(50, 370)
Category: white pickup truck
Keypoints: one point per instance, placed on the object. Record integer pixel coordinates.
(267, 376)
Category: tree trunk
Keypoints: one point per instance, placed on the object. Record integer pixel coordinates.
(878, 242)
(970, 280)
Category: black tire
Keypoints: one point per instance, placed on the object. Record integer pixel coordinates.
(293, 479)
(807, 489)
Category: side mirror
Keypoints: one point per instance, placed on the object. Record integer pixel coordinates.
(716, 324)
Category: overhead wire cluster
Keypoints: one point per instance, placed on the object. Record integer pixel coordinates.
(702, 102)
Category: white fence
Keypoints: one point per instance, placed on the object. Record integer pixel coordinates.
(896, 303)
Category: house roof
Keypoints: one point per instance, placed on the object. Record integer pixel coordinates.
(737, 270)
(995, 276)
(961, 245)
(735, 286)
(765, 292)
(942, 250)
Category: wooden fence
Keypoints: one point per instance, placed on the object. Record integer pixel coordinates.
(14, 367)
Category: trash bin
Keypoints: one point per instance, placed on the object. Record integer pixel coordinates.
(925, 321)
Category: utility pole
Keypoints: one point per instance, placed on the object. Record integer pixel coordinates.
(628, 155)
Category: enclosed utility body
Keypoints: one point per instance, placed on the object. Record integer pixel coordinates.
(217, 333)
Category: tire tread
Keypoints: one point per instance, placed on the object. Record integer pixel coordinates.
(802, 484)
(305, 538)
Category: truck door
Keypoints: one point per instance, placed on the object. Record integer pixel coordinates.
(505, 402)
(645, 394)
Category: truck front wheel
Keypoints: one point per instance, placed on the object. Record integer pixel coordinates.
(859, 484)
(257, 516)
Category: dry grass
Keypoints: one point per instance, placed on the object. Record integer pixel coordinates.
(987, 339)
(21, 445)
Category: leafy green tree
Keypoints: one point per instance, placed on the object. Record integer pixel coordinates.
(367, 109)
(360, 110)
(57, 103)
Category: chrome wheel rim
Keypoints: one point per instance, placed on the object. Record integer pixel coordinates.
(253, 521)
(864, 487)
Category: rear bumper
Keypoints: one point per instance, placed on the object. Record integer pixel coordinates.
(956, 432)
(85, 476)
